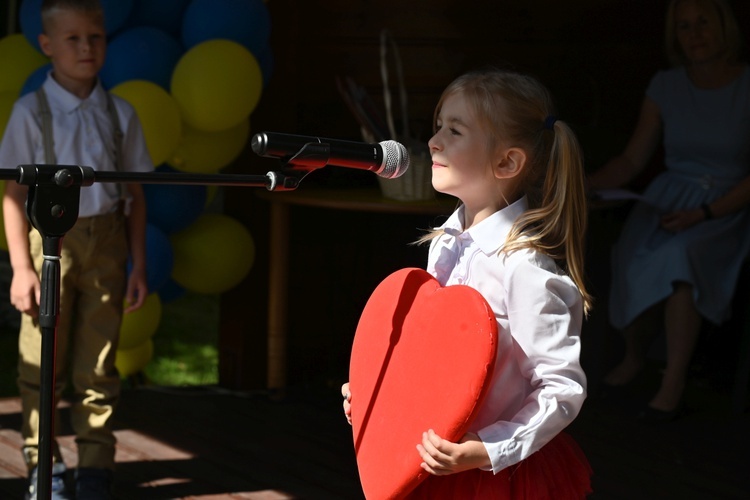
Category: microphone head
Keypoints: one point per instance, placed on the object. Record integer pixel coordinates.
(395, 160)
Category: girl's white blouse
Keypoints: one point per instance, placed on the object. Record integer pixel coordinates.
(538, 386)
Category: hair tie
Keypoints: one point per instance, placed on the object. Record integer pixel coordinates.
(549, 122)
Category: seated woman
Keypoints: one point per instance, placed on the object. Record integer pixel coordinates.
(679, 255)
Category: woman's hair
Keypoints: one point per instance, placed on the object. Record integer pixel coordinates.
(517, 111)
(726, 21)
(50, 7)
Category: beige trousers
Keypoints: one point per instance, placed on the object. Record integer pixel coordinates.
(92, 288)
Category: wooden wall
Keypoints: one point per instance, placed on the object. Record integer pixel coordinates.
(596, 56)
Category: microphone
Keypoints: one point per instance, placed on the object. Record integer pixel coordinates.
(388, 159)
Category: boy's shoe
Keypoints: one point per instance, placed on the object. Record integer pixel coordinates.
(58, 488)
(93, 484)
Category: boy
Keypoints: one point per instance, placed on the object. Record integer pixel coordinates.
(85, 130)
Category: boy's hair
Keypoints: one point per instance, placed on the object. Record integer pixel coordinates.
(517, 111)
(724, 17)
(50, 7)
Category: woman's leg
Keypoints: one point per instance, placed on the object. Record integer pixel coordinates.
(683, 326)
(638, 336)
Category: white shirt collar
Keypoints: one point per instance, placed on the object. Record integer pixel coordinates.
(68, 102)
(489, 234)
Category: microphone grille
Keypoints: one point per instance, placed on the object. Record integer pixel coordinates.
(395, 159)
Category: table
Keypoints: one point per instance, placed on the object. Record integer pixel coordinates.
(356, 199)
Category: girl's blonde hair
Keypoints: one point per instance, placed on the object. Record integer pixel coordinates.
(730, 31)
(517, 111)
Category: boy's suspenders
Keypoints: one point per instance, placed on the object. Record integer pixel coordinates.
(49, 150)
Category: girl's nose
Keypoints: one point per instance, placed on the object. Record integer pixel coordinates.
(433, 143)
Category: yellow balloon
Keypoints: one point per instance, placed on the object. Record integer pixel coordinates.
(141, 324)
(3, 240)
(7, 99)
(131, 361)
(206, 152)
(18, 60)
(213, 254)
(159, 115)
(217, 84)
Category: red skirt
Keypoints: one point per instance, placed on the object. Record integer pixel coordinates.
(558, 471)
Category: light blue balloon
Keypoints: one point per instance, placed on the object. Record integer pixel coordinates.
(246, 22)
(141, 53)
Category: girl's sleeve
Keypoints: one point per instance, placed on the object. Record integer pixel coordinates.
(545, 314)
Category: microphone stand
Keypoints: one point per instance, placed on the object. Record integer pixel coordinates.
(52, 208)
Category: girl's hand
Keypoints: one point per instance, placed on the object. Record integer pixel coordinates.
(442, 457)
(679, 221)
(347, 402)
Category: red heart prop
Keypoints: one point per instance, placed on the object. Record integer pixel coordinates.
(420, 359)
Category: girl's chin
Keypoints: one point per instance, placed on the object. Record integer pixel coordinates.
(441, 188)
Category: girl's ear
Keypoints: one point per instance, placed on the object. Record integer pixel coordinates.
(510, 164)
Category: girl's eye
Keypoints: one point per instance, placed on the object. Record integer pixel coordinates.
(454, 131)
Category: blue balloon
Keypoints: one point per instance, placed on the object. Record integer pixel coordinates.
(246, 22)
(36, 79)
(165, 15)
(170, 291)
(141, 53)
(30, 19)
(116, 12)
(159, 258)
(173, 207)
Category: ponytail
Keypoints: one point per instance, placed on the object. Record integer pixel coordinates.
(557, 225)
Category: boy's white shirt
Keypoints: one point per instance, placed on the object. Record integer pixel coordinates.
(83, 135)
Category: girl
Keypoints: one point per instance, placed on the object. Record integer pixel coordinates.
(519, 229)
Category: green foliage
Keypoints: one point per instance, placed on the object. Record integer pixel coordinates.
(186, 348)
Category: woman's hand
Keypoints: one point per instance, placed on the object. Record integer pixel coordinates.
(347, 402)
(442, 457)
(679, 221)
